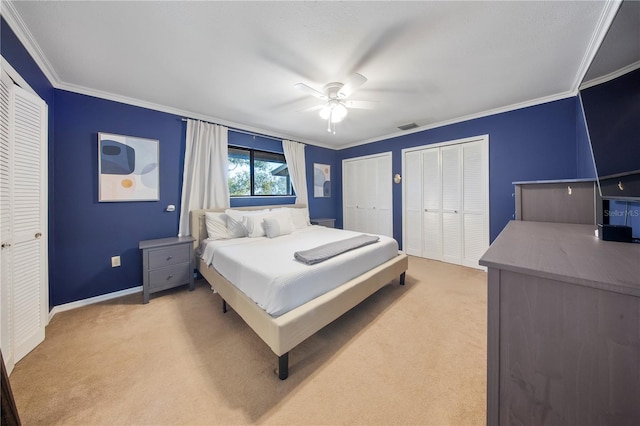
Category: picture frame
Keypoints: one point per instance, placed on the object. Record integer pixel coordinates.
(321, 180)
(128, 168)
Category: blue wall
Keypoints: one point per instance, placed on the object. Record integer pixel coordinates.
(532, 143)
(88, 232)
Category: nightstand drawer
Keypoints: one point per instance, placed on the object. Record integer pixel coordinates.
(169, 256)
(168, 277)
(326, 222)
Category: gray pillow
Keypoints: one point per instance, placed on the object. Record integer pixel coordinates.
(234, 228)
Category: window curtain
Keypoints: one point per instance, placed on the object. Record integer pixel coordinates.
(206, 172)
(294, 154)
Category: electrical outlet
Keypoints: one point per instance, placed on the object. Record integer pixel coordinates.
(115, 261)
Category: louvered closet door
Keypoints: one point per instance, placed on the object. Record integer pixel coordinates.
(432, 203)
(349, 192)
(367, 194)
(452, 180)
(383, 209)
(6, 254)
(412, 203)
(24, 236)
(451, 204)
(474, 223)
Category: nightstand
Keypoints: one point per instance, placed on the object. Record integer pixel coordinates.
(324, 221)
(166, 263)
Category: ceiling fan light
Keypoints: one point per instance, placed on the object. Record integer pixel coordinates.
(325, 112)
(339, 113)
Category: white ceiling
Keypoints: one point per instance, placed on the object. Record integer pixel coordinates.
(236, 63)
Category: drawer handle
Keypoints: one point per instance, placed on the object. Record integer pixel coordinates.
(169, 277)
(169, 257)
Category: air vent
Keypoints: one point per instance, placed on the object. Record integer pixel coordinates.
(408, 126)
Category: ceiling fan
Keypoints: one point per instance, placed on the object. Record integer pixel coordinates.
(335, 95)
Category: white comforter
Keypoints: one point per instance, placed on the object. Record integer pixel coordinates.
(266, 271)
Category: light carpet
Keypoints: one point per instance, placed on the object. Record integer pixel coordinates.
(413, 354)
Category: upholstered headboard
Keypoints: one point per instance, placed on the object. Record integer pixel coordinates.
(197, 222)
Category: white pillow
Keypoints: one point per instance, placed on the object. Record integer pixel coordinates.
(300, 217)
(278, 223)
(216, 226)
(239, 214)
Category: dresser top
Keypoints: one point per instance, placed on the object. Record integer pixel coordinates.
(566, 252)
(162, 242)
(537, 182)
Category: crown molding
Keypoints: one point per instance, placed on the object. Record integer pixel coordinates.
(602, 27)
(175, 111)
(508, 108)
(603, 79)
(17, 25)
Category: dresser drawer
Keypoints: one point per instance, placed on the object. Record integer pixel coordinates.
(169, 256)
(171, 276)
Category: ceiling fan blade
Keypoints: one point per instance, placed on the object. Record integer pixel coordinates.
(313, 108)
(310, 90)
(352, 83)
(361, 104)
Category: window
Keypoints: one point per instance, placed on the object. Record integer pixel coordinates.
(257, 173)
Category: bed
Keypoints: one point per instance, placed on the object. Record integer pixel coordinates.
(285, 329)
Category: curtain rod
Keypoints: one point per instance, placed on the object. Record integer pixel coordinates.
(240, 131)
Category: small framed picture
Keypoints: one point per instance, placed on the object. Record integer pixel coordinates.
(321, 180)
(128, 168)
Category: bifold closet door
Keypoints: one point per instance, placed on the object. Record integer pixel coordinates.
(412, 201)
(445, 199)
(432, 204)
(475, 224)
(23, 210)
(451, 201)
(367, 194)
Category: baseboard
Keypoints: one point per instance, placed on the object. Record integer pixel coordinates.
(92, 300)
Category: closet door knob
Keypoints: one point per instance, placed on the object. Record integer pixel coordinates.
(6, 245)
(38, 234)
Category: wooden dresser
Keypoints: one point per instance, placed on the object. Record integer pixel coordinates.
(560, 201)
(563, 327)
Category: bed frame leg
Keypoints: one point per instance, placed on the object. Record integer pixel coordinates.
(283, 366)
(402, 278)
(224, 306)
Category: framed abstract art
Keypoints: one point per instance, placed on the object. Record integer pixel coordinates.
(321, 180)
(128, 168)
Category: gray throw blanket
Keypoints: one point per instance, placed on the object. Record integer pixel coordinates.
(327, 251)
